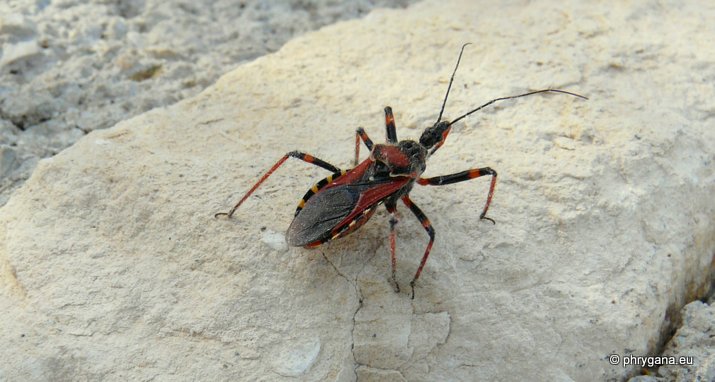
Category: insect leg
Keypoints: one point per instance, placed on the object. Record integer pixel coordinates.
(361, 134)
(295, 154)
(430, 231)
(392, 209)
(390, 129)
(461, 177)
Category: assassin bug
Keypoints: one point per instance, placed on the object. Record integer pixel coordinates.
(345, 200)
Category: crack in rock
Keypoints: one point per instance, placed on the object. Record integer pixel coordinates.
(358, 293)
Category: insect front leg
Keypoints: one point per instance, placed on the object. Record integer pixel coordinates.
(295, 154)
(461, 177)
(390, 129)
(361, 134)
(430, 231)
(394, 219)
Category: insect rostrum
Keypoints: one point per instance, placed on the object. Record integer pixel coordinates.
(345, 200)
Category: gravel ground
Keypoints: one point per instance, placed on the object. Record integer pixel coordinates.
(68, 67)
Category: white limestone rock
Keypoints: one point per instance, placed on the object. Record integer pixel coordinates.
(24, 50)
(72, 66)
(112, 265)
(694, 343)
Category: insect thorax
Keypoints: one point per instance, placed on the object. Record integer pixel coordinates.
(407, 158)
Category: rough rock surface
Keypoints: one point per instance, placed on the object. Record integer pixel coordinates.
(68, 67)
(692, 348)
(113, 267)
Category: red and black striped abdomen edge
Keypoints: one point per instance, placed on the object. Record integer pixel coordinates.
(316, 187)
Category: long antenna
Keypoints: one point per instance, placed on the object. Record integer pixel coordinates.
(450, 83)
(510, 97)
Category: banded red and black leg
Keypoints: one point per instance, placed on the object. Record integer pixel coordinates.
(430, 231)
(294, 154)
(394, 219)
(361, 134)
(390, 129)
(463, 176)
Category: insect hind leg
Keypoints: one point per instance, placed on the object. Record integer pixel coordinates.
(295, 154)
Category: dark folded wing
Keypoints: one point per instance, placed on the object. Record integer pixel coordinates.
(333, 207)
